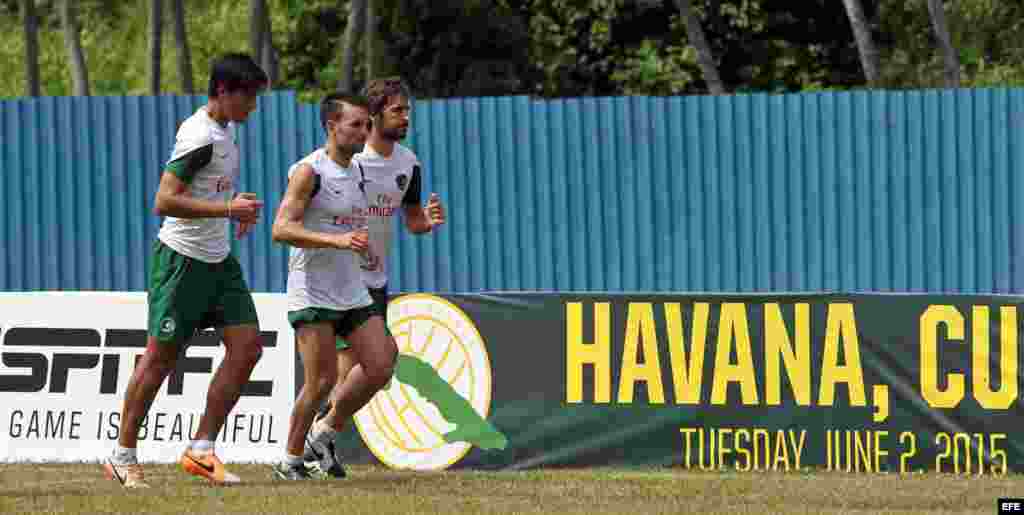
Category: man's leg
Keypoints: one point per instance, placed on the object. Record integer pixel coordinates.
(242, 350)
(346, 363)
(175, 299)
(321, 445)
(316, 346)
(375, 352)
(152, 369)
(233, 310)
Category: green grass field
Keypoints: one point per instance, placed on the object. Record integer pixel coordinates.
(80, 488)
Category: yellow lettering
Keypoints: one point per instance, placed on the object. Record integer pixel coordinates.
(733, 326)
(862, 443)
(798, 447)
(762, 435)
(797, 356)
(742, 451)
(1007, 393)
(880, 397)
(880, 447)
(686, 375)
(828, 452)
(930, 321)
(597, 354)
(781, 451)
(640, 332)
(711, 451)
(722, 449)
(688, 437)
(841, 328)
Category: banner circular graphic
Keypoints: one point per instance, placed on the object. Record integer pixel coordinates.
(436, 406)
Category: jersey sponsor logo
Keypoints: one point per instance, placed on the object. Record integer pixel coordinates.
(384, 206)
(357, 218)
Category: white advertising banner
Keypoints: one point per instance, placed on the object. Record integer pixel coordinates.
(65, 361)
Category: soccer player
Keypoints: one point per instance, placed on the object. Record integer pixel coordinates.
(194, 281)
(323, 217)
(392, 172)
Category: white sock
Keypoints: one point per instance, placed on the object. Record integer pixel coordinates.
(292, 460)
(125, 455)
(201, 446)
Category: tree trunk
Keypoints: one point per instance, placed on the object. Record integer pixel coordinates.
(950, 59)
(257, 8)
(705, 58)
(268, 56)
(353, 33)
(31, 26)
(181, 41)
(378, 59)
(73, 44)
(865, 43)
(155, 44)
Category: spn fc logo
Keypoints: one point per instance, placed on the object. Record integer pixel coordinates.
(33, 352)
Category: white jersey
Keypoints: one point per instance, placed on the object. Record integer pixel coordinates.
(391, 182)
(206, 158)
(329, 278)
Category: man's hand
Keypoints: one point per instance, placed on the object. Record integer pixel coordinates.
(243, 229)
(357, 240)
(245, 208)
(435, 211)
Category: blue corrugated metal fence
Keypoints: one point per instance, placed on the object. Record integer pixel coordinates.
(865, 191)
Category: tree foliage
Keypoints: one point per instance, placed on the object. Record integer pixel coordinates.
(551, 48)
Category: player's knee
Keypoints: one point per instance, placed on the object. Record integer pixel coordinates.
(323, 386)
(158, 363)
(380, 374)
(156, 368)
(252, 353)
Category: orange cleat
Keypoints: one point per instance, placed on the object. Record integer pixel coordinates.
(208, 466)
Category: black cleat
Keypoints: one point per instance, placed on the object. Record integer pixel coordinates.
(334, 467)
(325, 456)
(288, 472)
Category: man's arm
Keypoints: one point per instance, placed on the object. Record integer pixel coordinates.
(417, 219)
(288, 226)
(421, 220)
(173, 198)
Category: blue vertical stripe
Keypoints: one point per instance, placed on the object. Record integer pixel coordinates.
(854, 191)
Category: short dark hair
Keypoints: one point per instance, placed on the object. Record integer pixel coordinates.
(331, 107)
(236, 71)
(379, 91)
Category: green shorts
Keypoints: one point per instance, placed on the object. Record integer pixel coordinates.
(379, 307)
(344, 321)
(186, 295)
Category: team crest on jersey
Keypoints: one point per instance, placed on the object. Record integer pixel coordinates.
(401, 180)
(223, 183)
